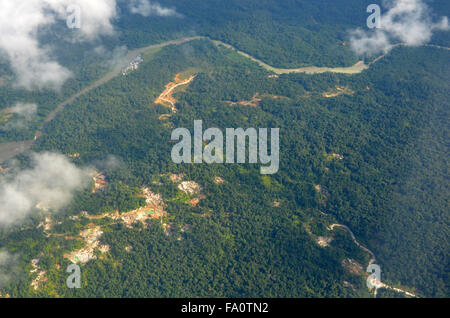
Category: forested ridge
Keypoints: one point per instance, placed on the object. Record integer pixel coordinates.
(368, 150)
(239, 243)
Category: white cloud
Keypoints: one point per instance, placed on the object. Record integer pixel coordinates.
(20, 21)
(50, 184)
(148, 8)
(19, 24)
(405, 21)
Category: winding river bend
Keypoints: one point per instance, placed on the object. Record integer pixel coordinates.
(11, 149)
(354, 69)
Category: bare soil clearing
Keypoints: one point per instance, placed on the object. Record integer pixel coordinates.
(166, 98)
(40, 278)
(339, 90)
(92, 233)
(91, 237)
(254, 102)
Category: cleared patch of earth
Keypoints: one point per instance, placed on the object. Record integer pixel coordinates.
(91, 237)
(218, 180)
(254, 102)
(40, 278)
(99, 181)
(166, 98)
(338, 90)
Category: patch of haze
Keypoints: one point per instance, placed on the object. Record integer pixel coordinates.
(111, 163)
(188, 51)
(8, 266)
(111, 58)
(24, 110)
(25, 113)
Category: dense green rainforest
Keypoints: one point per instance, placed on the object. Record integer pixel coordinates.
(252, 235)
(285, 34)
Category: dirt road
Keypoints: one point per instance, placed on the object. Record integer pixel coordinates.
(332, 226)
(166, 96)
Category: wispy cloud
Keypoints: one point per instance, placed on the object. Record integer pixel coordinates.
(8, 267)
(406, 21)
(111, 57)
(148, 8)
(19, 25)
(49, 184)
(24, 111)
(33, 63)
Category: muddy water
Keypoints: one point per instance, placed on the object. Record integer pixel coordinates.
(354, 69)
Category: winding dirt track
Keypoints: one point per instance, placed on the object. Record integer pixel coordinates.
(332, 226)
(379, 284)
